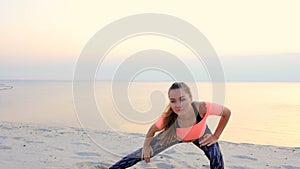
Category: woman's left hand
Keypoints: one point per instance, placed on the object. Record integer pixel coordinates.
(208, 140)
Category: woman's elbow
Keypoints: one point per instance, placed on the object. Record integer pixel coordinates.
(226, 112)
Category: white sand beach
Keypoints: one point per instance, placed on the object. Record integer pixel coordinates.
(36, 146)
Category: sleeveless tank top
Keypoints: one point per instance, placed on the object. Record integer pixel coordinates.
(196, 131)
(200, 128)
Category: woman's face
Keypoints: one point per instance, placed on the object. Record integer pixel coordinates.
(179, 100)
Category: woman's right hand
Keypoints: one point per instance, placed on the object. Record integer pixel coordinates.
(147, 152)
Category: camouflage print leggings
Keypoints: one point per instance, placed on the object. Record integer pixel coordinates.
(212, 152)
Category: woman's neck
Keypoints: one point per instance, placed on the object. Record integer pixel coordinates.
(187, 118)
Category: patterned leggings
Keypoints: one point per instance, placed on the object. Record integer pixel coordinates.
(212, 152)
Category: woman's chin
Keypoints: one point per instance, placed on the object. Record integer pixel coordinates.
(178, 112)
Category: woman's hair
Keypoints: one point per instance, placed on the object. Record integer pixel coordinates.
(170, 116)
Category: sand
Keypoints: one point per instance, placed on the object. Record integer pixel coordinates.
(38, 146)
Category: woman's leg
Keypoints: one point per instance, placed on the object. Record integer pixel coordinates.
(135, 157)
(213, 153)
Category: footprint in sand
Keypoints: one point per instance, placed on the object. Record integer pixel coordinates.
(290, 167)
(191, 153)
(245, 157)
(4, 147)
(91, 165)
(3, 137)
(164, 165)
(85, 154)
(19, 138)
(56, 148)
(81, 144)
(34, 142)
(237, 167)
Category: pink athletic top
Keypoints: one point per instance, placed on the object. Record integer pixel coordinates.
(197, 130)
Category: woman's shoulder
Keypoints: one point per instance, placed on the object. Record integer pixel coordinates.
(200, 103)
(208, 107)
(201, 107)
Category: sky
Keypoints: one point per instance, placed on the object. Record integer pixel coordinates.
(255, 40)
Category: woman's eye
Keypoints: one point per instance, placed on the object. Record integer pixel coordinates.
(172, 101)
(182, 99)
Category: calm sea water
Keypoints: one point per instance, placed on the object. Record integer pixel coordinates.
(262, 113)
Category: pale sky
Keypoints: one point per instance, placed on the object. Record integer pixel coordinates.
(43, 39)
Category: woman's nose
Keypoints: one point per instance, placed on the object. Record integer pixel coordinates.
(178, 104)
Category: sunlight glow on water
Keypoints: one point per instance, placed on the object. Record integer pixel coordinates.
(262, 113)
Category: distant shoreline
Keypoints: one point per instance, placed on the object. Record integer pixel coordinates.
(5, 87)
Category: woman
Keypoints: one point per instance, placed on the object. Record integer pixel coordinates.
(183, 121)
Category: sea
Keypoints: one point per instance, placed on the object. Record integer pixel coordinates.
(266, 113)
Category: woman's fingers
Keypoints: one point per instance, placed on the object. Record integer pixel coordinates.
(212, 141)
(203, 142)
(151, 152)
(143, 154)
(147, 159)
(208, 140)
(147, 153)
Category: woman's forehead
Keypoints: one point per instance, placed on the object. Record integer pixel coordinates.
(176, 93)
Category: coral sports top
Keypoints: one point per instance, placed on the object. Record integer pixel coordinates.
(197, 130)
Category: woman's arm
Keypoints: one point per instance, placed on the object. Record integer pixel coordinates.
(151, 132)
(223, 122)
(147, 151)
(211, 139)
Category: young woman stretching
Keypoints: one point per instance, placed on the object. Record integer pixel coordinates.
(183, 121)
